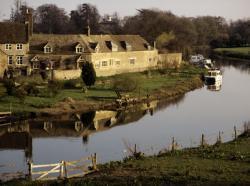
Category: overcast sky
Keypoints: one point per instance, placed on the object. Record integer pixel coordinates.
(230, 9)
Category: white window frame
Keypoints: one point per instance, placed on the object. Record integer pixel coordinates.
(79, 50)
(97, 64)
(111, 62)
(48, 50)
(132, 61)
(19, 46)
(19, 60)
(10, 60)
(36, 65)
(104, 63)
(8, 46)
(117, 62)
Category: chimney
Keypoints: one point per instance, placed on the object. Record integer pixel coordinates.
(154, 44)
(88, 30)
(29, 22)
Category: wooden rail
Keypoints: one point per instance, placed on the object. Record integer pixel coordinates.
(64, 169)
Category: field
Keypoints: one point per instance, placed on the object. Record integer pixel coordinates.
(241, 52)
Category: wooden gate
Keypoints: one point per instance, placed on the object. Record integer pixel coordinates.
(64, 169)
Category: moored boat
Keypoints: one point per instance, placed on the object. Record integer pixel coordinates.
(213, 76)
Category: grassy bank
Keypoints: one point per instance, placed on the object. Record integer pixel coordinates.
(149, 82)
(220, 164)
(239, 52)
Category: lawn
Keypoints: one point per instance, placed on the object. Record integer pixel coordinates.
(146, 83)
(239, 52)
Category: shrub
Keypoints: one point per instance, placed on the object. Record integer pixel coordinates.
(10, 86)
(125, 84)
(31, 89)
(88, 74)
(54, 87)
(20, 93)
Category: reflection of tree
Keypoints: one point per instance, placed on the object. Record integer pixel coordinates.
(88, 119)
(85, 139)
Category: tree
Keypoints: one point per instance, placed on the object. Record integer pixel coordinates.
(111, 24)
(51, 19)
(163, 39)
(18, 12)
(85, 15)
(88, 74)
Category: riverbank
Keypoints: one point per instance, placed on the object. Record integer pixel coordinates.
(220, 164)
(149, 85)
(242, 53)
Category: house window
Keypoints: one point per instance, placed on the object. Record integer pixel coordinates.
(150, 60)
(117, 63)
(8, 46)
(104, 63)
(19, 46)
(79, 50)
(19, 60)
(36, 65)
(47, 49)
(97, 64)
(10, 60)
(111, 62)
(132, 61)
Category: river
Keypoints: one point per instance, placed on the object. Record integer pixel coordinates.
(151, 127)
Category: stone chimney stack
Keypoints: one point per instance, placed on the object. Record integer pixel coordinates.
(29, 22)
(88, 30)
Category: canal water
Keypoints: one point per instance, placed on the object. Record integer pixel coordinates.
(150, 126)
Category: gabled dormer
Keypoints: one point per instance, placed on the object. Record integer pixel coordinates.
(147, 46)
(48, 48)
(79, 48)
(112, 46)
(80, 58)
(95, 46)
(34, 59)
(126, 45)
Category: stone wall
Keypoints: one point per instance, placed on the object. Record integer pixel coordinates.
(170, 60)
(66, 74)
(107, 64)
(3, 64)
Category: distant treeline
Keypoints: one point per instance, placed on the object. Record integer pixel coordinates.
(171, 32)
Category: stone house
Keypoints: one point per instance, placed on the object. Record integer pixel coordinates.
(110, 54)
(62, 56)
(14, 47)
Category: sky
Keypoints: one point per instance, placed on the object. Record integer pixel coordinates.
(230, 9)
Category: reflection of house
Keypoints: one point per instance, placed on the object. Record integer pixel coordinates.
(62, 56)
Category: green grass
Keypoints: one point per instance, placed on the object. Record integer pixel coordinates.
(147, 83)
(243, 50)
(224, 164)
(239, 52)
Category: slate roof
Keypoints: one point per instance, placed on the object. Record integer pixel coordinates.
(13, 33)
(65, 44)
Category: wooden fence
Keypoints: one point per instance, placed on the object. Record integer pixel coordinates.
(64, 169)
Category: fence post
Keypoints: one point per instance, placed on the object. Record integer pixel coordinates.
(62, 170)
(173, 144)
(202, 140)
(65, 169)
(235, 133)
(219, 138)
(30, 170)
(94, 160)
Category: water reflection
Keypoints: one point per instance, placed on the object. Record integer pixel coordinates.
(70, 137)
(19, 135)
